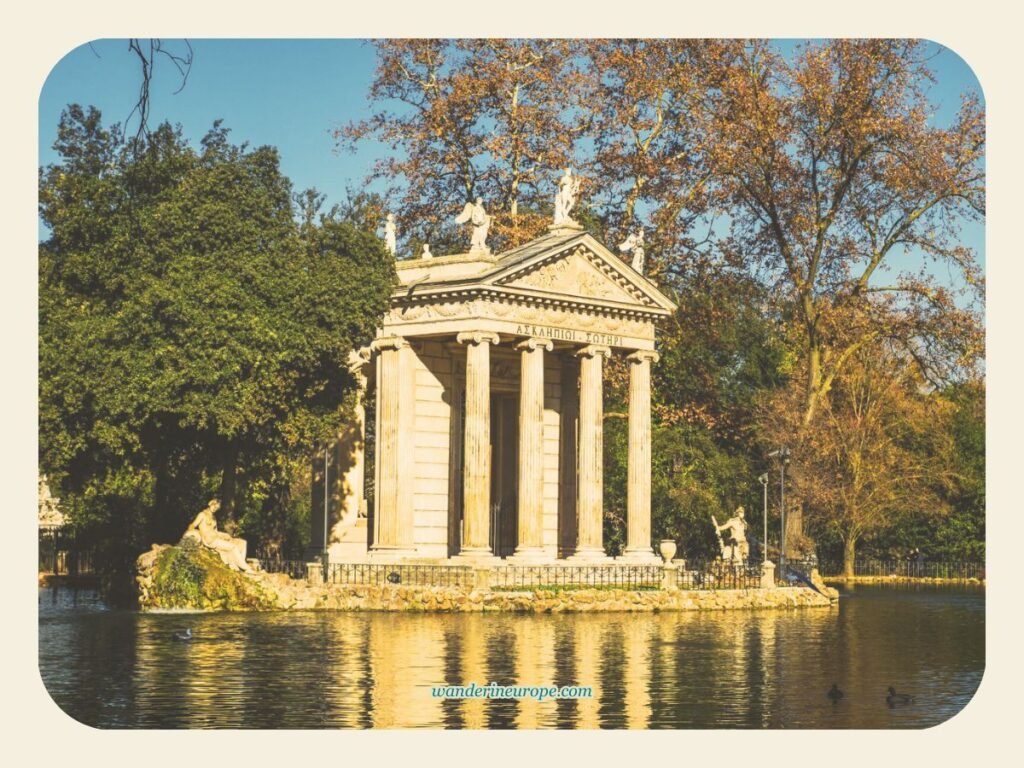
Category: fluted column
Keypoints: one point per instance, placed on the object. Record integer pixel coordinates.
(530, 543)
(590, 456)
(393, 516)
(638, 487)
(476, 504)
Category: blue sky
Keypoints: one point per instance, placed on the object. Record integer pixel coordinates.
(290, 93)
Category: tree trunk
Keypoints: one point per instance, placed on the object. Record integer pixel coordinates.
(849, 556)
(631, 199)
(813, 378)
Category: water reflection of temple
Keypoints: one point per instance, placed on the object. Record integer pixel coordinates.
(378, 670)
(673, 670)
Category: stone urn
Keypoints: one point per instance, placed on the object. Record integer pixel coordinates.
(667, 548)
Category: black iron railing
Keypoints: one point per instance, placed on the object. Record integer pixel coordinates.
(414, 575)
(718, 575)
(63, 552)
(908, 569)
(296, 569)
(576, 576)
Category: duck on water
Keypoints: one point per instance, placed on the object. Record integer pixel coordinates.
(896, 699)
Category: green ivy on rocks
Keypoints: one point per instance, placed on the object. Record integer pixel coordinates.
(194, 577)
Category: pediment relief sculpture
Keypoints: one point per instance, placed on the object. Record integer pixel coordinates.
(574, 274)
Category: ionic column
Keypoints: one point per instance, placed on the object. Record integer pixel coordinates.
(638, 487)
(476, 504)
(393, 518)
(530, 544)
(590, 456)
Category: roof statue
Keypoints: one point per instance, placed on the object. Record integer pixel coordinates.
(565, 199)
(475, 214)
(634, 244)
(426, 252)
(390, 240)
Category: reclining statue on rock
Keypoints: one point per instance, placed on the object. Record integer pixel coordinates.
(204, 531)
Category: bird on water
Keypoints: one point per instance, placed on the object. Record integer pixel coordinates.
(834, 693)
(898, 698)
(186, 635)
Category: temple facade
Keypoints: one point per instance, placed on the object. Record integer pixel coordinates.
(483, 397)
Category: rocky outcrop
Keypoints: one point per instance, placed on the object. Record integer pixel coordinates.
(190, 576)
(830, 592)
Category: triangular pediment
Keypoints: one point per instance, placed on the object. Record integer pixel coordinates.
(560, 268)
(581, 269)
(572, 274)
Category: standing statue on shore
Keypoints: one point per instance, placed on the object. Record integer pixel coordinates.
(204, 531)
(568, 191)
(390, 238)
(475, 214)
(634, 244)
(737, 550)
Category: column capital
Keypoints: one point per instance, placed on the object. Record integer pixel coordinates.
(477, 337)
(593, 350)
(533, 343)
(643, 355)
(388, 342)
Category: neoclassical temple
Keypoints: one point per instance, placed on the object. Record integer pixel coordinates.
(484, 389)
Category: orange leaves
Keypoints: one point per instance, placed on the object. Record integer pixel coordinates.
(880, 445)
(475, 118)
(836, 170)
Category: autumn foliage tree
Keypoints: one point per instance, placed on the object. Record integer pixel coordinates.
(836, 170)
(500, 118)
(800, 207)
(649, 110)
(467, 119)
(882, 444)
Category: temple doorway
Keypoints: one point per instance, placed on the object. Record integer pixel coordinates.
(504, 472)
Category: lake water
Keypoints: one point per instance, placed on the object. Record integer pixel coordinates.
(758, 669)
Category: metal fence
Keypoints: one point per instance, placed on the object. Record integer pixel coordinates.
(294, 568)
(414, 575)
(718, 575)
(908, 569)
(576, 576)
(62, 552)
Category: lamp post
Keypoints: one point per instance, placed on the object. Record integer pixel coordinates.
(783, 456)
(327, 507)
(764, 546)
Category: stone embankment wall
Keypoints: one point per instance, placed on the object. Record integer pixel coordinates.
(898, 580)
(298, 595)
(193, 577)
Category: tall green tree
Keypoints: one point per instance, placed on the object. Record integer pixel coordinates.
(193, 330)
